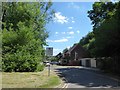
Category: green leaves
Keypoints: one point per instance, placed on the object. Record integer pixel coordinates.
(104, 40)
(24, 35)
(21, 51)
(100, 12)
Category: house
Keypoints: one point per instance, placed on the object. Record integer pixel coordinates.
(59, 55)
(74, 54)
(65, 57)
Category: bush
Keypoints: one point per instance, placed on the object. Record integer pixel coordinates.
(22, 51)
(109, 64)
(40, 67)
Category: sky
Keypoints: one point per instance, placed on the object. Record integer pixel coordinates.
(69, 25)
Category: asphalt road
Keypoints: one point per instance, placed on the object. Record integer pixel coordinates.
(80, 77)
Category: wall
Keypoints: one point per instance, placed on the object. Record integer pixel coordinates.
(92, 62)
(83, 63)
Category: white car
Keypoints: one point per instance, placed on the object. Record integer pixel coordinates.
(47, 64)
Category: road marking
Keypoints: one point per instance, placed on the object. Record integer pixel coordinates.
(65, 86)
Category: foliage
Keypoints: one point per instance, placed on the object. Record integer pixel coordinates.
(88, 42)
(54, 59)
(107, 40)
(24, 35)
(103, 41)
(35, 14)
(107, 36)
(101, 11)
(109, 64)
(21, 51)
(105, 18)
(40, 67)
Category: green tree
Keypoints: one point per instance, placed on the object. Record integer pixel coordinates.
(24, 34)
(106, 29)
(36, 14)
(104, 39)
(88, 42)
(101, 11)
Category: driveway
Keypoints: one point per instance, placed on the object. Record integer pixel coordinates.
(80, 77)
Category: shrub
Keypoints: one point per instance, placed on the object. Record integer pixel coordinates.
(22, 51)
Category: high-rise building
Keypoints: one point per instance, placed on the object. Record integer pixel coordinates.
(49, 51)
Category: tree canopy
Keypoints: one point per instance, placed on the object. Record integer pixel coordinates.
(24, 34)
(104, 40)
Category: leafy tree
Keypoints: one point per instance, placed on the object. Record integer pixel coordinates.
(105, 19)
(36, 14)
(88, 42)
(101, 11)
(108, 36)
(24, 34)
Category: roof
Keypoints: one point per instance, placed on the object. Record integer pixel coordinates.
(72, 48)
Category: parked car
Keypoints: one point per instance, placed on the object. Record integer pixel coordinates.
(46, 63)
(54, 62)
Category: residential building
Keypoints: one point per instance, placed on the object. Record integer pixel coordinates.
(74, 54)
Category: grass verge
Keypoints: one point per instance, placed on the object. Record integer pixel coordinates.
(30, 80)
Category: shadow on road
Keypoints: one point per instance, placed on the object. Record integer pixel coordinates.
(86, 78)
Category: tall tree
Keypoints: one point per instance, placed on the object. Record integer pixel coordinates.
(24, 34)
(105, 18)
(101, 12)
(88, 42)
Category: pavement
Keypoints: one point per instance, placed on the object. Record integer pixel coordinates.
(82, 77)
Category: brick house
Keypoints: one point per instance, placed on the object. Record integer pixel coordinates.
(74, 54)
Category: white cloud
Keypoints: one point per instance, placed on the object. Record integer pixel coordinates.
(71, 32)
(73, 5)
(73, 21)
(78, 31)
(56, 32)
(70, 27)
(60, 18)
(59, 40)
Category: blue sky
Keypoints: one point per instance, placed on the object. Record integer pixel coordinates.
(69, 25)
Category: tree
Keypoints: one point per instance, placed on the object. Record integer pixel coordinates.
(105, 43)
(101, 11)
(108, 37)
(24, 34)
(105, 19)
(88, 42)
(36, 14)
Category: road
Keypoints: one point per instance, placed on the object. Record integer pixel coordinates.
(80, 77)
